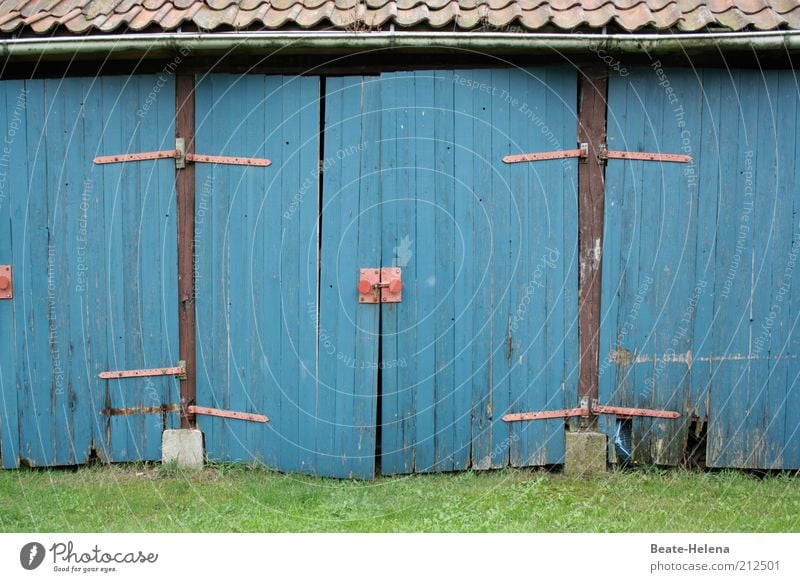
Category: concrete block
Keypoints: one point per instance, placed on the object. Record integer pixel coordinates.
(184, 447)
(586, 454)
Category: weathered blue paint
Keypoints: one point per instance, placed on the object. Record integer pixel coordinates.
(256, 268)
(698, 312)
(94, 256)
(488, 321)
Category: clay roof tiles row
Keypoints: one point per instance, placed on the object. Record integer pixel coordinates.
(83, 16)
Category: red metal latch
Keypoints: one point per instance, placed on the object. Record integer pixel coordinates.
(383, 285)
(6, 282)
(586, 410)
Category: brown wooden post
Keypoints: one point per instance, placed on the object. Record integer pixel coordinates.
(185, 189)
(591, 194)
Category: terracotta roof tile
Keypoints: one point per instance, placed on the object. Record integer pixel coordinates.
(80, 16)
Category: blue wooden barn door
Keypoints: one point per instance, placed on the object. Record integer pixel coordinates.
(278, 331)
(698, 311)
(488, 251)
(93, 256)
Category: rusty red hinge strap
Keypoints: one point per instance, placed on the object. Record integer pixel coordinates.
(603, 154)
(179, 371)
(606, 154)
(203, 410)
(580, 152)
(181, 157)
(585, 410)
(230, 160)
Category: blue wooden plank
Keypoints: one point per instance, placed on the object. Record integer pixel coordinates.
(570, 258)
(308, 259)
(327, 312)
(78, 410)
(791, 451)
(36, 431)
(269, 305)
(363, 433)
(728, 406)
(464, 202)
(12, 103)
(561, 251)
(782, 367)
(425, 330)
(709, 167)
(502, 340)
(399, 248)
(446, 262)
(529, 313)
(482, 279)
(350, 240)
(92, 290)
(390, 420)
(767, 374)
(206, 260)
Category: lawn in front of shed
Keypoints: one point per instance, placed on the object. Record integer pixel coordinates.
(152, 498)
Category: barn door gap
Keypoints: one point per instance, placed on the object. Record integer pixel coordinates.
(320, 170)
(378, 395)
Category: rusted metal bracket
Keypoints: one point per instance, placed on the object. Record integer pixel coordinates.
(586, 410)
(6, 282)
(582, 151)
(606, 154)
(178, 371)
(182, 158)
(192, 409)
(603, 154)
(383, 285)
(163, 409)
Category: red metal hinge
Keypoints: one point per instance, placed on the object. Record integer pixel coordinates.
(6, 282)
(192, 409)
(181, 157)
(607, 154)
(581, 152)
(380, 285)
(586, 410)
(179, 371)
(603, 154)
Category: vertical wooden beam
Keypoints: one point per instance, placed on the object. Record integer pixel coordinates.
(591, 197)
(185, 188)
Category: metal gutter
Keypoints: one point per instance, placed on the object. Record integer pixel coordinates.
(476, 41)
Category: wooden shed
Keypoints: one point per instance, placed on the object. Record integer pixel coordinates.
(349, 237)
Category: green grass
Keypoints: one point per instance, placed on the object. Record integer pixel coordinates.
(150, 498)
